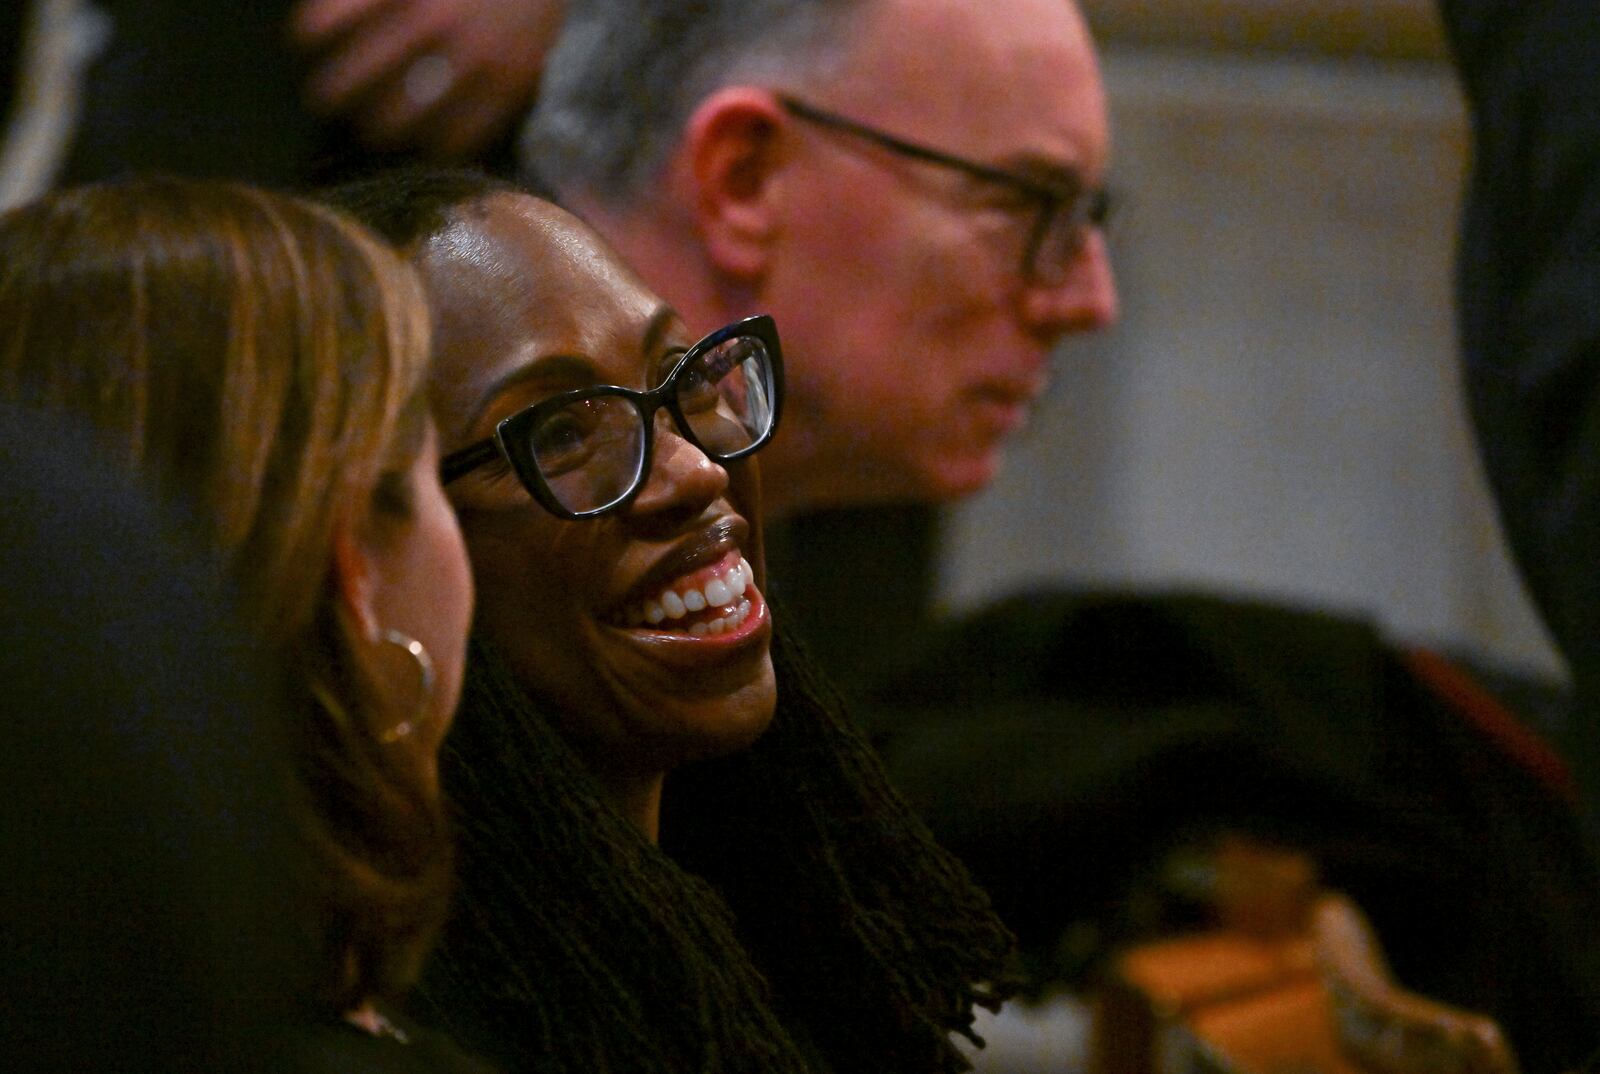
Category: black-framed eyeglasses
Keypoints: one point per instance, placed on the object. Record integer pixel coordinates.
(586, 452)
(1066, 215)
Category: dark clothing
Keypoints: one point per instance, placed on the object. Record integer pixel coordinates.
(1528, 294)
(1528, 308)
(857, 584)
(1068, 742)
(1068, 746)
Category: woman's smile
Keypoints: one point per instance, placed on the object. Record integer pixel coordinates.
(711, 602)
(703, 587)
(697, 605)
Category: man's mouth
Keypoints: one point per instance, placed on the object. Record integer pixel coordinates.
(1002, 412)
(703, 603)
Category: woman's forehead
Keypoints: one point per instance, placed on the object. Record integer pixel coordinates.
(523, 281)
(520, 246)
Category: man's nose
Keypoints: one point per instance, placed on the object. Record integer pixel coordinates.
(682, 477)
(1085, 300)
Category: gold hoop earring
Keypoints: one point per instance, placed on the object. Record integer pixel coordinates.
(424, 707)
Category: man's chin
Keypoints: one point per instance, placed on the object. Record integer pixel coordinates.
(938, 480)
(961, 478)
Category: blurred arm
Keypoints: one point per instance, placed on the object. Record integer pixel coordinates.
(447, 77)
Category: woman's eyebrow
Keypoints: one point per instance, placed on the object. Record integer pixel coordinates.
(657, 326)
(566, 370)
(559, 370)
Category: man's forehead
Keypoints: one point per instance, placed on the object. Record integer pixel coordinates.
(1004, 78)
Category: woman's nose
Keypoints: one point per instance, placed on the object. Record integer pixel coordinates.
(681, 477)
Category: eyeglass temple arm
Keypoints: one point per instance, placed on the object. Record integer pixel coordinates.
(460, 463)
(824, 118)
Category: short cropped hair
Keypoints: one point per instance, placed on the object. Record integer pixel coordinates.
(625, 75)
(410, 205)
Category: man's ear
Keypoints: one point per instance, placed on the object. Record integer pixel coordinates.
(734, 152)
(355, 579)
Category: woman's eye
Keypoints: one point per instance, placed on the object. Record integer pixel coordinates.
(560, 435)
(564, 440)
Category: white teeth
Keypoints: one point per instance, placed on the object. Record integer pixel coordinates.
(725, 592)
(654, 612)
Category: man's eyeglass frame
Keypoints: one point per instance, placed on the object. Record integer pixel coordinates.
(461, 462)
(1087, 208)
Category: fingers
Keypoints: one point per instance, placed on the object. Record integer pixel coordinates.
(407, 110)
(370, 52)
(443, 76)
(315, 23)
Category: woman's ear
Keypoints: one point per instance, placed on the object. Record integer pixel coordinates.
(355, 578)
(734, 149)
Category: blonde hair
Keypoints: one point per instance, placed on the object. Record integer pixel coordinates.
(263, 358)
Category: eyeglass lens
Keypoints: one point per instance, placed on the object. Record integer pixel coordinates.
(591, 452)
(725, 395)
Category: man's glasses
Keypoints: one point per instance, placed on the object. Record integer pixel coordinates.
(1066, 213)
(586, 452)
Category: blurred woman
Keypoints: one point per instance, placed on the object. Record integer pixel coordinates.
(264, 361)
(676, 854)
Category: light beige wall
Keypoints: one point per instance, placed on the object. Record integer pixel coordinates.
(1278, 413)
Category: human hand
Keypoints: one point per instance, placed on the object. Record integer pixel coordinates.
(443, 76)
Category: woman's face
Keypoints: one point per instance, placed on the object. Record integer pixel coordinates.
(422, 588)
(529, 304)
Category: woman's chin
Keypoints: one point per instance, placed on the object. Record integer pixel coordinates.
(680, 729)
(659, 698)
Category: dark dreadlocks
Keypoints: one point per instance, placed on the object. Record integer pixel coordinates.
(798, 919)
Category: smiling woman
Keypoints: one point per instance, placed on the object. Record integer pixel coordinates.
(677, 855)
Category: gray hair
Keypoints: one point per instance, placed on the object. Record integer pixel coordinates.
(625, 75)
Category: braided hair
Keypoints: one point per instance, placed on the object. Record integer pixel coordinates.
(798, 917)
